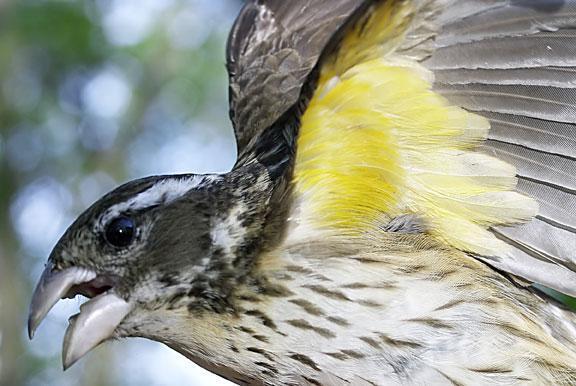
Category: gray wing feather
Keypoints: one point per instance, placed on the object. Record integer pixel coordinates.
(514, 62)
(556, 207)
(545, 136)
(468, 21)
(536, 50)
(539, 76)
(549, 103)
(272, 49)
(550, 169)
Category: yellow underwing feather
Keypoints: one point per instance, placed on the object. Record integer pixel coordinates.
(380, 31)
(377, 142)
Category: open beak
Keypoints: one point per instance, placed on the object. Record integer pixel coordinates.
(98, 317)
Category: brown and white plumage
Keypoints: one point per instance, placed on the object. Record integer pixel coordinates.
(405, 169)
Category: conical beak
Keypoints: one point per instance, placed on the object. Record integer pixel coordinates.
(52, 287)
(96, 322)
(98, 318)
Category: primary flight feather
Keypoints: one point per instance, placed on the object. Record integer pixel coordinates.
(406, 170)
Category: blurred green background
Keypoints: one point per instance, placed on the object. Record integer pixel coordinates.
(92, 94)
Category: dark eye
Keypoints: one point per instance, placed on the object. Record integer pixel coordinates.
(120, 231)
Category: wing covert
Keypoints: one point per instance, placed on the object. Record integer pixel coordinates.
(272, 48)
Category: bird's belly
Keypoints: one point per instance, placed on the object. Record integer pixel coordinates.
(372, 317)
(330, 312)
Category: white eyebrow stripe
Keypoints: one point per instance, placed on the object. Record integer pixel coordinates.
(164, 191)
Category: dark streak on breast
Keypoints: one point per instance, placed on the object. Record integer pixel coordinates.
(337, 320)
(261, 338)
(369, 303)
(354, 354)
(262, 352)
(368, 381)
(308, 307)
(246, 330)
(299, 269)
(265, 319)
(332, 294)
(431, 322)
(304, 325)
(491, 370)
(398, 342)
(370, 341)
(267, 366)
(337, 355)
(312, 381)
(450, 304)
(305, 360)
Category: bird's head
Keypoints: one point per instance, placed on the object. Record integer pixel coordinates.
(162, 242)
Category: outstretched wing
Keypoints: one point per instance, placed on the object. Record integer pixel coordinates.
(272, 48)
(515, 64)
(456, 117)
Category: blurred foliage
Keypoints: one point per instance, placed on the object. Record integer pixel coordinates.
(92, 94)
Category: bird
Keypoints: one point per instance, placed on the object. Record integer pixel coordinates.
(404, 194)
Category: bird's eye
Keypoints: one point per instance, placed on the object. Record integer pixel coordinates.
(120, 232)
